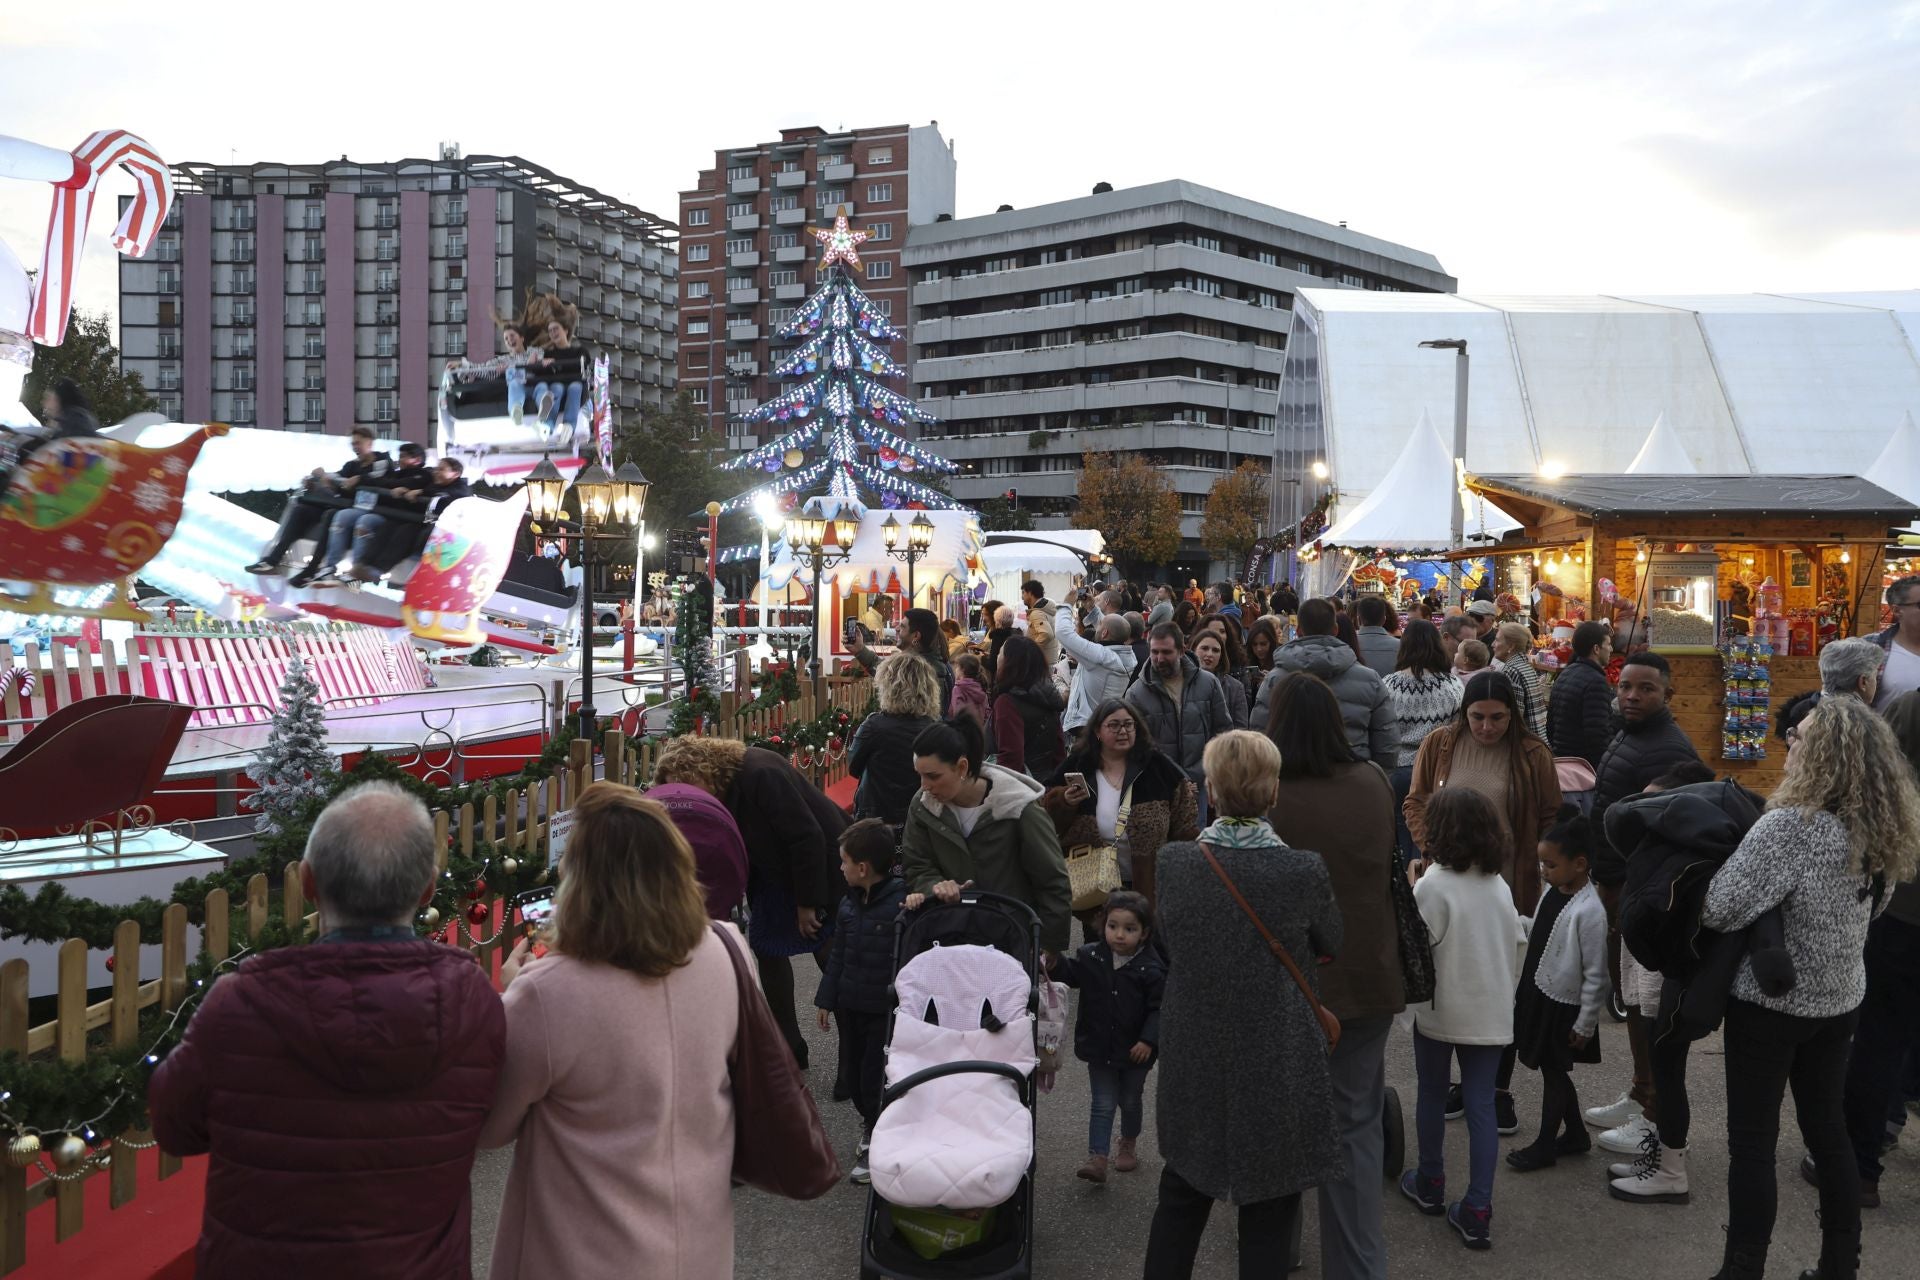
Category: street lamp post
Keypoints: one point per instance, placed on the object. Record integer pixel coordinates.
(919, 541)
(608, 504)
(819, 542)
(1457, 526)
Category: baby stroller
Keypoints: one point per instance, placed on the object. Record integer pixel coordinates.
(952, 1149)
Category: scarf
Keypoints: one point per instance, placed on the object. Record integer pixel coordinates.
(1242, 833)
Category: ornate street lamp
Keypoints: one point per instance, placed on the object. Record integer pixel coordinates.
(919, 540)
(820, 542)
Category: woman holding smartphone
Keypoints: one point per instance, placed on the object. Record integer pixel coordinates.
(1116, 789)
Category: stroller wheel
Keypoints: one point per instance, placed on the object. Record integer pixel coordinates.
(1394, 1122)
(1616, 1007)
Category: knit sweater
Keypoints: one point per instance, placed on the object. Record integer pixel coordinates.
(1423, 702)
(1477, 950)
(1803, 863)
(1573, 964)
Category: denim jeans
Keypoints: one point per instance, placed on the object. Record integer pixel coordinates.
(1766, 1052)
(1352, 1244)
(1479, 1063)
(1885, 1041)
(340, 532)
(516, 390)
(570, 394)
(1114, 1086)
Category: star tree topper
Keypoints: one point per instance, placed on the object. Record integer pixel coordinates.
(841, 242)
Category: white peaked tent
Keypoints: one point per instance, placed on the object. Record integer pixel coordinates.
(1408, 509)
(1897, 469)
(1662, 454)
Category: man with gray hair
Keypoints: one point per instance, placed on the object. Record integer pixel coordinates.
(1105, 663)
(1900, 643)
(1852, 666)
(339, 1086)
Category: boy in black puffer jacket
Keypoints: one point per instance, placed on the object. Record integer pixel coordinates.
(1117, 1032)
(860, 970)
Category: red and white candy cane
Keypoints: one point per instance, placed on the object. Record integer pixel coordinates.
(75, 175)
(16, 676)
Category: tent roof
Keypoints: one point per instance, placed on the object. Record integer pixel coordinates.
(1031, 557)
(1897, 469)
(1662, 454)
(1407, 510)
(1652, 496)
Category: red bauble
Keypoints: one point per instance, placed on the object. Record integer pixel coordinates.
(774, 741)
(477, 913)
(479, 890)
(694, 693)
(834, 744)
(109, 964)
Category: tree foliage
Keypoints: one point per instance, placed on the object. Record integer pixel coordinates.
(91, 359)
(1133, 503)
(1236, 512)
(998, 515)
(681, 457)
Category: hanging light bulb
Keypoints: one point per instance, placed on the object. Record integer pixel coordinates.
(1640, 555)
(1846, 556)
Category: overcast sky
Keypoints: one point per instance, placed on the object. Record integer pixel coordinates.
(1564, 147)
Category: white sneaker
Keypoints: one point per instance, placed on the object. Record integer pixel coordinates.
(1626, 1139)
(1659, 1177)
(1613, 1114)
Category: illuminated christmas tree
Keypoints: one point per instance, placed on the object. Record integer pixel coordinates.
(840, 408)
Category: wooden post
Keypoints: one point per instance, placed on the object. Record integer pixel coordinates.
(579, 768)
(466, 830)
(70, 1043)
(123, 1025)
(13, 1181)
(511, 839)
(490, 816)
(256, 905)
(440, 840)
(614, 753)
(214, 935)
(173, 970)
(293, 907)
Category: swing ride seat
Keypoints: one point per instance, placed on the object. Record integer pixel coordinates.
(99, 756)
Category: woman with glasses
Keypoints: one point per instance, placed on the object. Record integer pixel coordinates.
(1116, 790)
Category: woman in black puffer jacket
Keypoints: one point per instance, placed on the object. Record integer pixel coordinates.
(1026, 711)
(881, 754)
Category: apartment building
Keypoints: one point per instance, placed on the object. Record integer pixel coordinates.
(321, 297)
(1152, 319)
(747, 260)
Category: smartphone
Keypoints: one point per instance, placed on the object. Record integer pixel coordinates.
(851, 629)
(1077, 780)
(536, 914)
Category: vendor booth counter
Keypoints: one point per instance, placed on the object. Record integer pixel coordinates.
(1739, 581)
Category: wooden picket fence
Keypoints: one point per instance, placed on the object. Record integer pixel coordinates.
(519, 821)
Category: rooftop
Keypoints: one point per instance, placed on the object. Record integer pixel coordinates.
(1653, 496)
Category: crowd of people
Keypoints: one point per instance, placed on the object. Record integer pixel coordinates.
(1295, 817)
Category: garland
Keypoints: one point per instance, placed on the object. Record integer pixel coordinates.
(1310, 527)
(778, 683)
(693, 650)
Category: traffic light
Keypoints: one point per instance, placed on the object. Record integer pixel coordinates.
(1013, 499)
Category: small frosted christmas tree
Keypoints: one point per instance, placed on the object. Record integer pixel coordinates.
(295, 766)
(840, 409)
(693, 650)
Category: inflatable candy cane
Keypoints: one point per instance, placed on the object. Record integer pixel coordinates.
(75, 175)
(19, 676)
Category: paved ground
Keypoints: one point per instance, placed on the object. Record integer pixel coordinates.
(1558, 1222)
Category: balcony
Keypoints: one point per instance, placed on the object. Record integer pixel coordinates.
(742, 406)
(788, 181)
(743, 332)
(743, 260)
(743, 186)
(745, 222)
(837, 173)
(789, 292)
(792, 253)
(790, 217)
(743, 297)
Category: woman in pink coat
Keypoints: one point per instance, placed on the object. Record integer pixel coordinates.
(615, 1090)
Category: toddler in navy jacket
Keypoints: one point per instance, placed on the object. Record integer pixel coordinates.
(1117, 1032)
(860, 968)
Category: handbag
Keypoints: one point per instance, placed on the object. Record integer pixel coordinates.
(1416, 946)
(779, 1144)
(1093, 872)
(1329, 1024)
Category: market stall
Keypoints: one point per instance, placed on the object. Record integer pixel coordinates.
(1738, 580)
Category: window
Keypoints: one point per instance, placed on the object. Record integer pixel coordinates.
(881, 231)
(316, 283)
(387, 377)
(314, 314)
(314, 379)
(457, 246)
(316, 345)
(1054, 297)
(699, 217)
(790, 166)
(243, 376)
(739, 171)
(879, 155)
(243, 282)
(699, 395)
(879, 193)
(740, 209)
(829, 196)
(695, 327)
(777, 316)
(243, 347)
(1000, 264)
(1135, 284)
(739, 282)
(383, 345)
(243, 408)
(742, 245)
(699, 252)
(778, 278)
(169, 313)
(383, 409)
(699, 289)
(885, 305)
(780, 204)
(315, 217)
(785, 240)
(169, 282)
(828, 158)
(169, 379)
(384, 281)
(879, 271)
(243, 248)
(387, 250)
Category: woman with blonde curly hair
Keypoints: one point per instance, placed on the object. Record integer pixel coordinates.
(792, 833)
(881, 754)
(1840, 831)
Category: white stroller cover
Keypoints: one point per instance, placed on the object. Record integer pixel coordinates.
(962, 1141)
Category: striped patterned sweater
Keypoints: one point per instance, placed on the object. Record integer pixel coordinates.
(1423, 702)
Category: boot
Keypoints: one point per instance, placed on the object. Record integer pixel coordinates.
(1124, 1159)
(1649, 1158)
(1094, 1170)
(1664, 1182)
(1839, 1256)
(1737, 1264)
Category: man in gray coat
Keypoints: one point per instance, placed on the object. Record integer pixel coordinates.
(1184, 707)
(1105, 664)
(1379, 648)
(1372, 728)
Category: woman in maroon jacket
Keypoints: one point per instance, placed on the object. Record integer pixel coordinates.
(339, 1087)
(1026, 711)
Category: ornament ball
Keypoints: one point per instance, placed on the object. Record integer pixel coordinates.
(510, 865)
(478, 891)
(477, 913)
(69, 1151)
(431, 917)
(23, 1150)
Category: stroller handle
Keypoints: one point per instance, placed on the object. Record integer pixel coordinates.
(975, 1066)
(973, 897)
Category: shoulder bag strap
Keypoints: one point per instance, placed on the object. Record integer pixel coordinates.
(1273, 944)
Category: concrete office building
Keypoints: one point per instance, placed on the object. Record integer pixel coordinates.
(320, 297)
(747, 260)
(1152, 319)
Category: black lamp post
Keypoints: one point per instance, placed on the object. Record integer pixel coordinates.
(919, 541)
(610, 505)
(819, 542)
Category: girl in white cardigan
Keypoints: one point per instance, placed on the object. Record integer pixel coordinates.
(1476, 939)
(1556, 1013)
